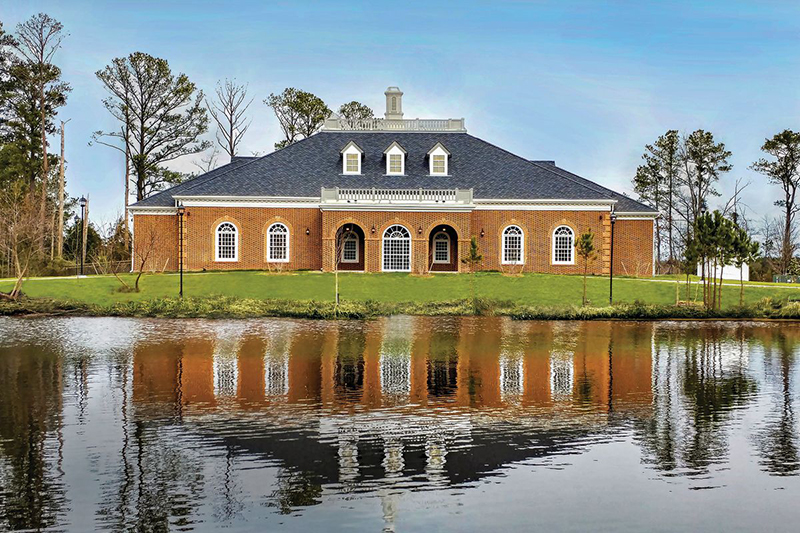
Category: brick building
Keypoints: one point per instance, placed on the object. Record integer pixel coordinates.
(391, 195)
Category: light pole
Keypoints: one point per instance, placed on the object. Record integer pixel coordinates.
(77, 245)
(181, 211)
(83, 229)
(613, 218)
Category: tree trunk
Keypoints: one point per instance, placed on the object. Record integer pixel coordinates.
(585, 270)
(45, 162)
(126, 237)
(741, 286)
(60, 220)
(786, 252)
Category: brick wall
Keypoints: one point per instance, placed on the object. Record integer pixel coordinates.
(252, 224)
(633, 252)
(155, 242)
(633, 248)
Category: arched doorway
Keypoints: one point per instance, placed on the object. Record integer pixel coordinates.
(443, 249)
(350, 247)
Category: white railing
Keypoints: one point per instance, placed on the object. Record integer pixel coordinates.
(381, 124)
(375, 196)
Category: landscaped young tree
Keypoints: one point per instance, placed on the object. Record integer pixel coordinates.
(656, 183)
(300, 114)
(228, 111)
(713, 246)
(584, 246)
(784, 171)
(744, 251)
(162, 117)
(472, 260)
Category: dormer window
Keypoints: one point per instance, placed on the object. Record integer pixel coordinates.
(438, 159)
(395, 160)
(351, 158)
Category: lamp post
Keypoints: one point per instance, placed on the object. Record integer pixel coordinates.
(181, 211)
(77, 245)
(613, 218)
(83, 229)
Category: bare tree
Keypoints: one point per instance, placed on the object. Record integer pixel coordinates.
(229, 114)
(142, 251)
(20, 232)
(338, 247)
(208, 162)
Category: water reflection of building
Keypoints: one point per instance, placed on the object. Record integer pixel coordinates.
(380, 392)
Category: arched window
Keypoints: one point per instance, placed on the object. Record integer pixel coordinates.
(278, 243)
(396, 249)
(227, 240)
(563, 246)
(441, 248)
(513, 246)
(350, 248)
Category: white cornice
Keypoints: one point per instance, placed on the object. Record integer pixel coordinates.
(152, 210)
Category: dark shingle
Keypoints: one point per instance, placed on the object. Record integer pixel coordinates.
(303, 168)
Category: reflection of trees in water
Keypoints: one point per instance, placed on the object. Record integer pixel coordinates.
(295, 490)
(349, 374)
(697, 382)
(31, 493)
(777, 441)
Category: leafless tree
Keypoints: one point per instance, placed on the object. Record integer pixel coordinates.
(209, 162)
(229, 114)
(20, 232)
(60, 215)
(143, 250)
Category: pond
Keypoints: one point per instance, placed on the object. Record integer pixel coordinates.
(398, 424)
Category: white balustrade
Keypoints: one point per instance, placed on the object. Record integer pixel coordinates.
(375, 195)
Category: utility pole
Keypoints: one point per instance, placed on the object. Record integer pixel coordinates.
(60, 221)
(84, 212)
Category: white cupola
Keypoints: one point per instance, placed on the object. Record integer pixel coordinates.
(394, 104)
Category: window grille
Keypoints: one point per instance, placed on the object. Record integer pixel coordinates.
(439, 166)
(396, 249)
(563, 245)
(395, 163)
(353, 161)
(278, 243)
(513, 246)
(227, 242)
(441, 248)
(350, 249)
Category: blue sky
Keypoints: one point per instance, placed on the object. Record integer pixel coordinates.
(585, 83)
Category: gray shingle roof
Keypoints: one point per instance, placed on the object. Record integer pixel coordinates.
(303, 168)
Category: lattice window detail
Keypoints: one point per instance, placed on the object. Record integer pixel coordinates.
(396, 249)
(441, 248)
(350, 249)
(278, 243)
(563, 245)
(513, 245)
(227, 242)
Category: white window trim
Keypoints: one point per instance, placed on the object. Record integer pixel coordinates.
(553, 247)
(449, 244)
(439, 150)
(521, 246)
(352, 148)
(235, 257)
(288, 243)
(352, 237)
(395, 149)
(383, 250)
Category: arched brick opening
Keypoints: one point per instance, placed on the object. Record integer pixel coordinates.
(443, 249)
(350, 249)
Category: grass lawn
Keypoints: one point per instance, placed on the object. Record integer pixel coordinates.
(528, 289)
